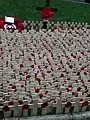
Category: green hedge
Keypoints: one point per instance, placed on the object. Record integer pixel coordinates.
(26, 10)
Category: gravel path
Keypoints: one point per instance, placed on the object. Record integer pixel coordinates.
(81, 116)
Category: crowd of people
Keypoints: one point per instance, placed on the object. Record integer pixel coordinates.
(43, 67)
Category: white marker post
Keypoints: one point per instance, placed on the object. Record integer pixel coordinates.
(59, 108)
(17, 110)
(35, 106)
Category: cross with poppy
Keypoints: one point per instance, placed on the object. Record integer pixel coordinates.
(46, 13)
(47, 4)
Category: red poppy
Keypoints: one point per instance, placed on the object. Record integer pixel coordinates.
(62, 75)
(73, 93)
(22, 86)
(2, 22)
(59, 69)
(32, 66)
(39, 57)
(70, 66)
(78, 89)
(82, 53)
(65, 81)
(82, 68)
(46, 92)
(32, 54)
(81, 99)
(40, 95)
(88, 80)
(54, 101)
(85, 103)
(25, 107)
(44, 105)
(67, 89)
(13, 87)
(76, 81)
(50, 83)
(10, 84)
(61, 62)
(21, 65)
(48, 60)
(46, 14)
(74, 56)
(86, 91)
(28, 76)
(65, 71)
(37, 90)
(43, 75)
(85, 73)
(70, 86)
(20, 102)
(48, 71)
(39, 67)
(25, 73)
(15, 90)
(29, 59)
(20, 27)
(10, 103)
(6, 108)
(19, 24)
(68, 104)
(78, 73)
(88, 95)
(85, 87)
(34, 62)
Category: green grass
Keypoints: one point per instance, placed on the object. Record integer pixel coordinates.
(26, 10)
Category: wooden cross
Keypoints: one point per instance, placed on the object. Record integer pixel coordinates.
(47, 4)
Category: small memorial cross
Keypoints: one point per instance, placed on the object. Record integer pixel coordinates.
(46, 13)
(47, 4)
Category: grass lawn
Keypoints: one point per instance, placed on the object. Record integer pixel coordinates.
(26, 10)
